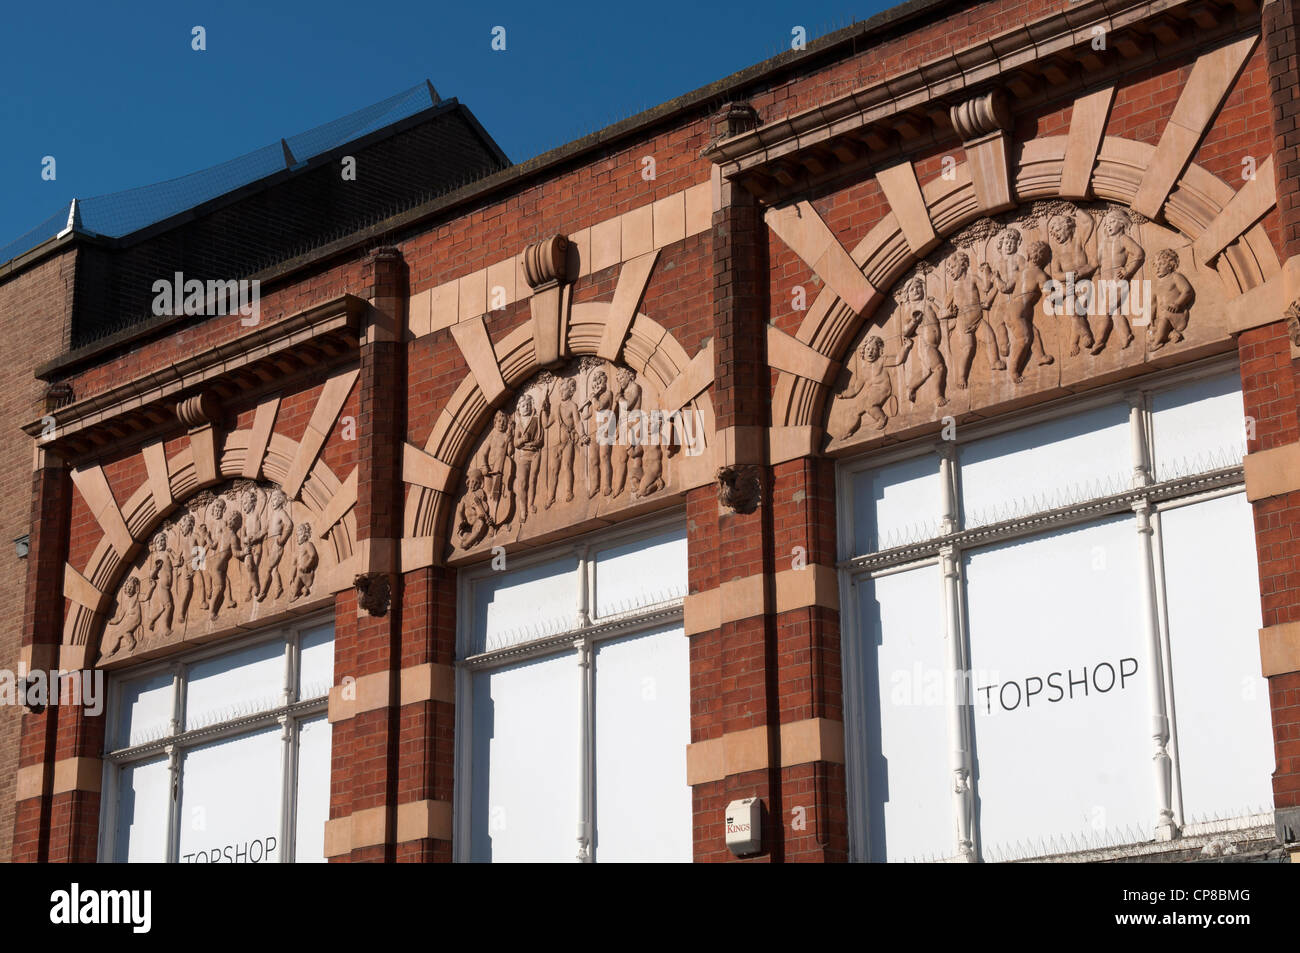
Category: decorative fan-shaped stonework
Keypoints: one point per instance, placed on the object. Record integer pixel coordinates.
(573, 447)
(1027, 306)
(241, 555)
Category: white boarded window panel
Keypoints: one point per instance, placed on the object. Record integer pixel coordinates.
(643, 725)
(1198, 427)
(1051, 464)
(143, 803)
(316, 662)
(518, 606)
(1225, 748)
(313, 790)
(642, 573)
(145, 711)
(896, 503)
(238, 683)
(524, 762)
(907, 750)
(230, 800)
(1057, 761)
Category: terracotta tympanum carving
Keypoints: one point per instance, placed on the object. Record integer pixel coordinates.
(242, 553)
(1051, 296)
(574, 444)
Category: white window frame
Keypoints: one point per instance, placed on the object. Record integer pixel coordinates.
(288, 716)
(1147, 500)
(580, 640)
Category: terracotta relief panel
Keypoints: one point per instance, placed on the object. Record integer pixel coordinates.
(242, 555)
(1048, 298)
(573, 447)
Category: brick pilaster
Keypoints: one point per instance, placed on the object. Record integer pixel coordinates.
(41, 634)
(427, 733)
(1269, 380)
(368, 618)
(734, 680)
(808, 657)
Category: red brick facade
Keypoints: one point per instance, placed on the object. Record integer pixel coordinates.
(770, 663)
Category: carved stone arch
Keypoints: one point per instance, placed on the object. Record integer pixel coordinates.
(1197, 202)
(324, 501)
(436, 473)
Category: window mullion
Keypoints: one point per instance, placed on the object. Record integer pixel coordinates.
(1162, 605)
(586, 587)
(174, 814)
(174, 764)
(956, 701)
(586, 743)
(289, 790)
(1142, 469)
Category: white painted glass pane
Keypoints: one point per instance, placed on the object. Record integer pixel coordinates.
(643, 725)
(910, 810)
(316, 665)
(641, 573)
(896, 504)
(1198, 427)
(145, 710)
(526, 723)
(230, 800)
(1059, 685)
(236, 684)
(313, 790)
(1051, 464)
(142, 805)
(1225, 733)
(524, 604)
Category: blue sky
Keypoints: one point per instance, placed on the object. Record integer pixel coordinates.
(116, 95)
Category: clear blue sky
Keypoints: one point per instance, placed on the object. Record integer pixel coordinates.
(116, 94)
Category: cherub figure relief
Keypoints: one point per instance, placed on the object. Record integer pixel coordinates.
(305, 562)
(1006, 311)
(1022, 297)
(278, 532)
(227, 547)
(599, 412)
(627, 402)
(496, 463)
(161, 564)
(474, 512)
(251, 537)
(921, 328)
(130, 616)
(1173, 297)
(527, 437)
(1119, 257)
(1071, 263)
(190, 564)
(652, 467)
(969, 297)
(564, 424)
(871, 374)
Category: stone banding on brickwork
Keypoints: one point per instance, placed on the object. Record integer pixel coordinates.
(802, 742)
(747, 598)
(648, 228)
(1279, 649)
(1272, 472)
